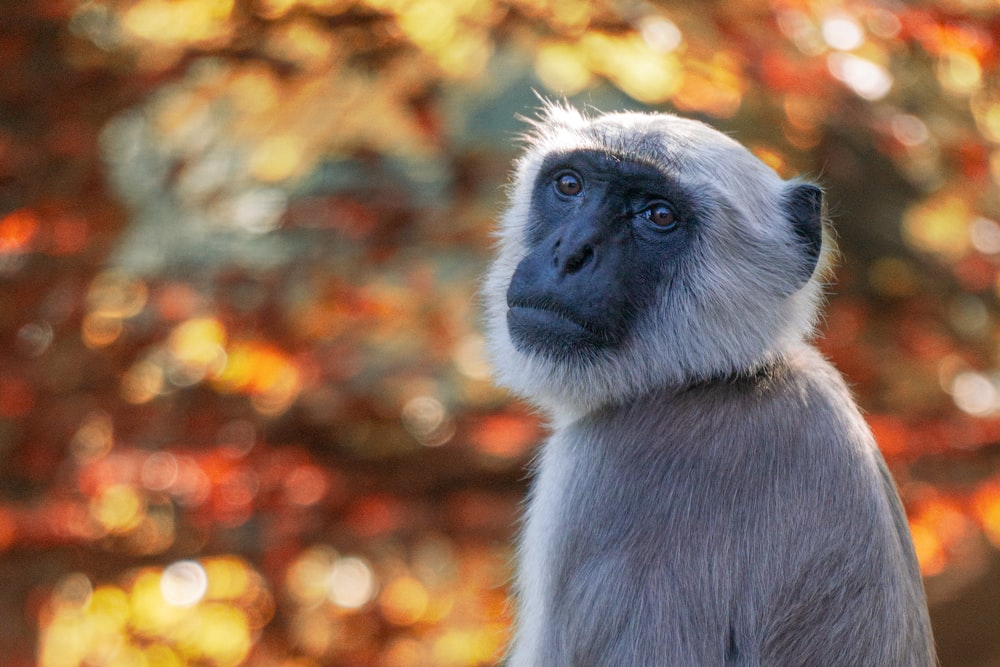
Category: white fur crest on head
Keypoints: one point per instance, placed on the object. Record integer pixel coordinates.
(732, 307)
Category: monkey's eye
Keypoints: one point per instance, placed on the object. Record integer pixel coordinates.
(661, 215)
(569, 184)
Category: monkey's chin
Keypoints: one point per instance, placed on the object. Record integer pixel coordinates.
(552, 334)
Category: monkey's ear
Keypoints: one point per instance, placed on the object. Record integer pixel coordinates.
(804, 208)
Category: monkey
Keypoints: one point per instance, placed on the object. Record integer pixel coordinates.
(709, 493)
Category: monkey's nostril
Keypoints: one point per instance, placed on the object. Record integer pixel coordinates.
(578, 260)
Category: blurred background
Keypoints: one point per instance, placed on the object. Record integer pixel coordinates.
(245, 415)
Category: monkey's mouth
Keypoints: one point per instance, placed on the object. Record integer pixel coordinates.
(547, 310)
(541, 327)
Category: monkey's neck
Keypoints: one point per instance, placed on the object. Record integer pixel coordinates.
(744, 377)
(745, 380)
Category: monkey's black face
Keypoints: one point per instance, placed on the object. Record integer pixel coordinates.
(605, 235)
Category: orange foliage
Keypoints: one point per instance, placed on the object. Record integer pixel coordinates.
(17, 230)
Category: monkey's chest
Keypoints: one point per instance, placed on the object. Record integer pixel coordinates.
(617, 551)
(618, 534)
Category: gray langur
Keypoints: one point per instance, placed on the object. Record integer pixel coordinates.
(709, 494)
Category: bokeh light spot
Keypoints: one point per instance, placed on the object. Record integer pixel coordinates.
(94, 438)
(74, 590)
(974, 393)
(661, 34)
(959, 73)
(178, 21)
(867, 79)
(184, 583)
(17, 230)
(119, 508)
(470, 357)
(986, 503)
(404, 601)
(938, 225)
(909, 130)
(351, 583)
(159, 471)
(117, 294)
(34, 338)
(307, 579)
(426, 419)
(228, 578)
(198, 345)
(100, 330)
(277, 158)
(561, 68)
(985, 235)
(842, 32)
(219, 633)
(306, 485)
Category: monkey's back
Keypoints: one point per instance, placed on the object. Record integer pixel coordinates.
(744, 521)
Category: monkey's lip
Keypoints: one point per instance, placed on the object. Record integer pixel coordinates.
(549, 317)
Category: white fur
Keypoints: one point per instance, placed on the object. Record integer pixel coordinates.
(727, 314)
(534, 580)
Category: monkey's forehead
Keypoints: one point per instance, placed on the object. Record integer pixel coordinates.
(681, 145)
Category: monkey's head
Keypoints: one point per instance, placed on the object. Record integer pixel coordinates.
(641, 251)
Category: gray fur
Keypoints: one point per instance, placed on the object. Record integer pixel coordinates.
(710, 494)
